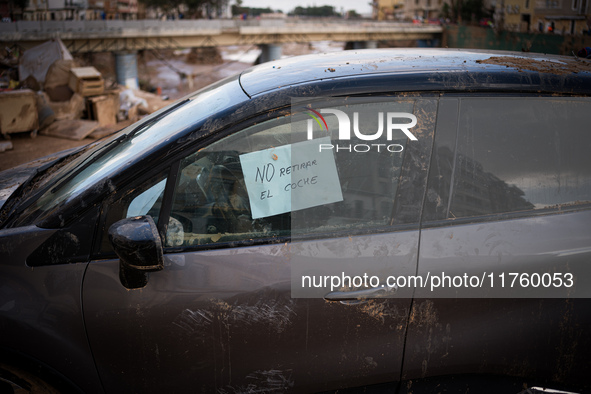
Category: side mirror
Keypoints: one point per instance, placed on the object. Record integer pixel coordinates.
(137, 243)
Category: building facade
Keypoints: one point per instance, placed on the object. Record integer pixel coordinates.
(518, 15)
(388, 9)
(565, 17)
(562, 16)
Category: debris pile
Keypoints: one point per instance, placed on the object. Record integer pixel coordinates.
(204, 55)
(45, 90)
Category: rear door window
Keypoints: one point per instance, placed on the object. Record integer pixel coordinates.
(515, 154)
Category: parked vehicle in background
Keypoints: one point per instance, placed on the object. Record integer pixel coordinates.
(150, 262)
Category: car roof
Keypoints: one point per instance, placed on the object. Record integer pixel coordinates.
(550, 72)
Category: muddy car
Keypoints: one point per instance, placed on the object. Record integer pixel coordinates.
(397, 220)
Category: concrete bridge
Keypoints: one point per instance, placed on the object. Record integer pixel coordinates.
(125, 38)
(118, 35)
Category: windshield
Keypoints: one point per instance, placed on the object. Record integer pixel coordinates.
(96, 166)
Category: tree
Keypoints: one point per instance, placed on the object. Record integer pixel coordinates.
(214, 7)
(352, 14)
(253, 12)
(322, 11)
(14, 5)
(464, 10)
(472, 10)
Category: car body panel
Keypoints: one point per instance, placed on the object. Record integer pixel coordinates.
(541, 338)
(225, 321)
(437, 69)
(12, 179)
(43, 305)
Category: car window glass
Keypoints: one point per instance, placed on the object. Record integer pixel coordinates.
(95, 167)
(211, 201)
(145, 199)
(519, 154)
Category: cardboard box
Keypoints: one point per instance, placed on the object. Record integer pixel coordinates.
(103, 108)
(86, 81)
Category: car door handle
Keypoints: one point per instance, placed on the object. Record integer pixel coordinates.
(375, 292)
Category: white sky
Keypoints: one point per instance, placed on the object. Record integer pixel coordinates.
(361, 6)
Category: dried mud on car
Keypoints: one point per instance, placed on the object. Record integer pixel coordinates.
(542, 66)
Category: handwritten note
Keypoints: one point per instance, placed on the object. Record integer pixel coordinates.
(290, 177)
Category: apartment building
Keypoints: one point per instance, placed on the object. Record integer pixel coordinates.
(547, 16)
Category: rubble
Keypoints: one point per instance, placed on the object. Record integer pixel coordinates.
(36, 61)
(56, 80)
(66, 100)
(18, 112)
(71, 109)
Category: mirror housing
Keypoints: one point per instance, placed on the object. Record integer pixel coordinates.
(137, 243)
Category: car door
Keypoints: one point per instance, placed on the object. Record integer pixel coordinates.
(507, 208)
(230, 311)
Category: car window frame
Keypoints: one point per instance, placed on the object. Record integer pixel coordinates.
(212, 136)
(286, 111)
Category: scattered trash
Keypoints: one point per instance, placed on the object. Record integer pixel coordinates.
(155, 102)
(5, 145)
(129, 105)
(37, 60)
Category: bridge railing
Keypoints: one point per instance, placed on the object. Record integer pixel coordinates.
(117, 26)
(101, 26)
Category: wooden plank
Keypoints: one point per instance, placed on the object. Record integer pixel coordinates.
(71, 129)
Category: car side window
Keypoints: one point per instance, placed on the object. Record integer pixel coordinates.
(212, 204)
(144, 199)
(145, 202)
(521, 154)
